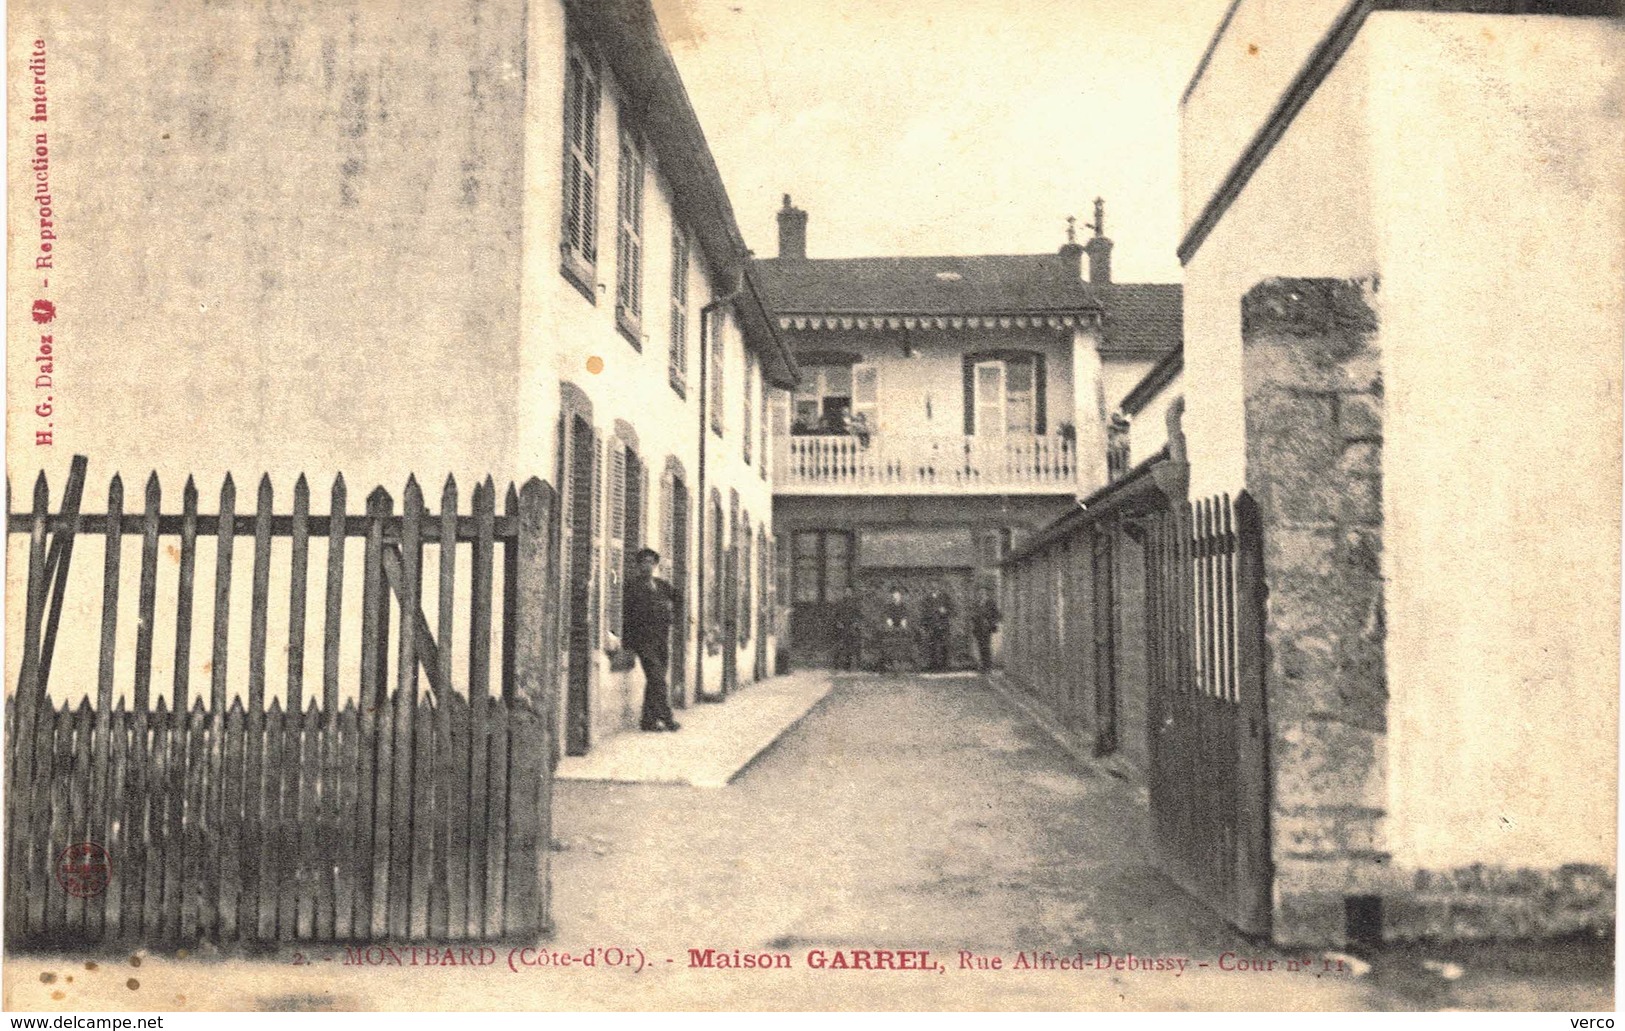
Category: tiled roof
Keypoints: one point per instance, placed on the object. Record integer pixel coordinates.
(1145, 318)
(976, 285)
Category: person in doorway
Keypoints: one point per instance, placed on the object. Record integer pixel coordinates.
(848, 630)
(897, 641)
(936, 619)
(984, 621)
(647, 613)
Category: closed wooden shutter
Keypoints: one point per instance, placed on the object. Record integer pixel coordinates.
(866, 396)
(581, 157)
(629, 231)
(615, 546)
(989, 398)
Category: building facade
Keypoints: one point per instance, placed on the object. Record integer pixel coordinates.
(947, 408)
(499, 250)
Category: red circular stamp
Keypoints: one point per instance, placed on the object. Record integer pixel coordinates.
(84, 869)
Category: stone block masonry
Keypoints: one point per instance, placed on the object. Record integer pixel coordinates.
(1313, 391)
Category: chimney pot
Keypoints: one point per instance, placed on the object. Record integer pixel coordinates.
(1099, 247)
(792, 231)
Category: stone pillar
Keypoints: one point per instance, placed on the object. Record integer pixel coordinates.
(1313, 393)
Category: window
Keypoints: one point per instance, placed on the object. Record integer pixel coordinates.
(744, 579)
(580, 243)
(836, 399)
(822, 565)
(629, 242)
(716, 376)
(1004, 393)
(678, 357)
(624, 519)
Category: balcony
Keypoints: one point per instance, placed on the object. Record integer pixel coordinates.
(913, 464)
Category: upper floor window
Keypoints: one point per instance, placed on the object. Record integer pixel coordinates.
(580, 230)
(837, 399)
(1004, 393)
(629, 242)
(678, 356)
(761, 465)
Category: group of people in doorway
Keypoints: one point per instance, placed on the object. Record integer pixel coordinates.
(888, 632)
(893, 631)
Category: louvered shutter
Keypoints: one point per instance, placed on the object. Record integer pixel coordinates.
(745, 579)
(615, 546)
(748, 437)
(566, 510)
(596, 536)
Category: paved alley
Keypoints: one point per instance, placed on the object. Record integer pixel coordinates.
(902, 813)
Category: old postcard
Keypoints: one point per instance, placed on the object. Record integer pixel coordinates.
(816, 505)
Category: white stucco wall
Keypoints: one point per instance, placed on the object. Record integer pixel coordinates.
(290, 244)
(1148, 428)
(1495, 144)
(1468, 164)
(1306, 212)
(1263, 46)
(295, 245)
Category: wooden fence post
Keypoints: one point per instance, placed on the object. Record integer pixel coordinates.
(530, 834)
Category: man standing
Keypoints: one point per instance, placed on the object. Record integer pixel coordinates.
(848, 631)
(937, 619)
(897, 642)
(983, 622)
(646, 618)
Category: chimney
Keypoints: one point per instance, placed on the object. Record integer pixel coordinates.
(792, 231)
(1072, 251)
(1099, 247)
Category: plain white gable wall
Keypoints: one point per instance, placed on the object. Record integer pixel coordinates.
(1496, 145)
(1305, 212)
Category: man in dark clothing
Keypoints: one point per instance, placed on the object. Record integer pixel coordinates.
(897, 646)
(648, 608)
(984, 621)
(848, 630)
(936, 618)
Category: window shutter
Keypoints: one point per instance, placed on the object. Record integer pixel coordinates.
(581, 100)
(668, 540)
(745, 579)
(595, 534)
(749, 435)
(615, 546)
(566, 510)
(717, 351)
(679, 307)
(637, 232)
(866, 395)
(761, 465)
(989, 398)
(970, 396)
(1040, 384)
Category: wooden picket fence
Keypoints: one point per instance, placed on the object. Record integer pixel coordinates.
(412, 815)
(1206, 729)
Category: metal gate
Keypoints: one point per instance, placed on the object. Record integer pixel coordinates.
(1209, 742)
(402, 813)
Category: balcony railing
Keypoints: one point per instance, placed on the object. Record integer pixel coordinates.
(996, 463)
